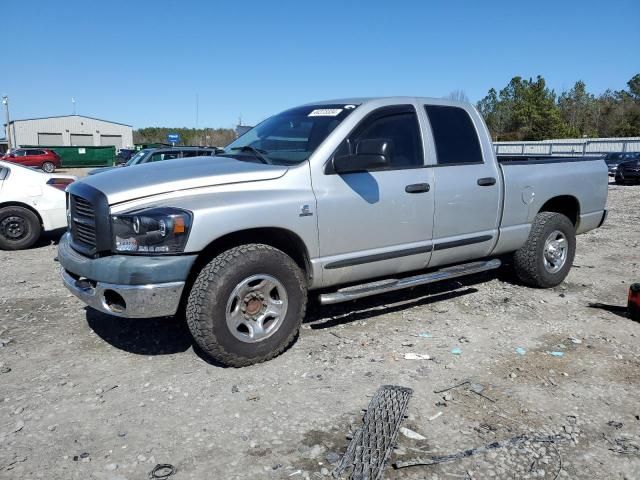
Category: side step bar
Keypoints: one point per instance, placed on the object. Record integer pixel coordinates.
(392, 284)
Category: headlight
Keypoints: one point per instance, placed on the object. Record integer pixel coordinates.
(151, 231)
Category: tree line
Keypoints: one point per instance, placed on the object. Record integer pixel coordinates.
(204, 137)
(529, 110)
(522, 110)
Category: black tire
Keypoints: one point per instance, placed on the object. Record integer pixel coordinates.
(211, 294)
(19, 228)
(529, 260)
(48, 167)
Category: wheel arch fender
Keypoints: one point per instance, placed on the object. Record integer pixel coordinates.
(23, 205)
(281, 238)
(567, 205)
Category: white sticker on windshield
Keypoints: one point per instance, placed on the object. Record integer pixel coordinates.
(325, 112)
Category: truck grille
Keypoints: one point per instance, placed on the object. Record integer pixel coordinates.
(83, 224)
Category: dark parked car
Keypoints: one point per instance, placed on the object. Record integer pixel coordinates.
(43, 158)
(628, 171)
(616, 158)
(159, 154)
(124, 155)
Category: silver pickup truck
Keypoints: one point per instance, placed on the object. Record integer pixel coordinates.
(346, 198)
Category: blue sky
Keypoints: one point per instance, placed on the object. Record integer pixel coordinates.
(144, 62)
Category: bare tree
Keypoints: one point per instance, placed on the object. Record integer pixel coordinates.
(458, 95)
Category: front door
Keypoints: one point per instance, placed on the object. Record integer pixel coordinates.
(377, 222)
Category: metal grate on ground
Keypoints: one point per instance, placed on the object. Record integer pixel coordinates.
(371, 445)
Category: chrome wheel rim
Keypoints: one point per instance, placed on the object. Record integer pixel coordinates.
(556, 249)
(48, 167)
(256, 308)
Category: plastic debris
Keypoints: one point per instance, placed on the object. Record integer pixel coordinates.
(456, 351)
(556, 354)
(425, 335)
(433, 417)
(411, 434)
(520, 351)
(416, 356)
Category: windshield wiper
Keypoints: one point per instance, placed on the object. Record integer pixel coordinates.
(259, 153)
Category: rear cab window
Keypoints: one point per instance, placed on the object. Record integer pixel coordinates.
(455, 136)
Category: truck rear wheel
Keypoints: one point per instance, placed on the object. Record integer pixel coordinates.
(247, 304)
(19, 228)
(545, 259)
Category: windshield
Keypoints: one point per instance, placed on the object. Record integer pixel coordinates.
(136, 158)
(290, 137)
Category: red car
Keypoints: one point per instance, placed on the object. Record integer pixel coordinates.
(43, 158)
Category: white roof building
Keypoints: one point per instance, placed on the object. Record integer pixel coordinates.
(70, 130)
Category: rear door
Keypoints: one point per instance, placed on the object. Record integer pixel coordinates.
(467, 187)
(36, 157)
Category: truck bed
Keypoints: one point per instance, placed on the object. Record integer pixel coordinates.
(533, 181)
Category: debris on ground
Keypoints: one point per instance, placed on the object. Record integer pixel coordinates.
(416, 356)
(623, 445)
(436, 459)
(162, 471)
(411, 434)
(433, 417)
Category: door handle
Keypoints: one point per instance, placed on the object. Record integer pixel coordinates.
(486, 181)
(417, 188)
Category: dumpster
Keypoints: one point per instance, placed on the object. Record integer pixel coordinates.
(82, 156)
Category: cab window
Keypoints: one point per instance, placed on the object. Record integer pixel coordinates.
(160, 156)
(398, 127)
(454, 135)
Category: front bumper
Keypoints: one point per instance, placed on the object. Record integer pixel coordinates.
(131, 301)
(125, 285)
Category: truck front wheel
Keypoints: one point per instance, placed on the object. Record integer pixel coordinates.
(545, 259)
(247, 304)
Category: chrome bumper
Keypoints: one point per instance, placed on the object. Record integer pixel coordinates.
(131, 301)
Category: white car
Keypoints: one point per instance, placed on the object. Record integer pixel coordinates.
(30, 202)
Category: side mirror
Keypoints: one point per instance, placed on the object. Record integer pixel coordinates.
(369, 154)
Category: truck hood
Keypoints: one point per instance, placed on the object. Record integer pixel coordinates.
(139, 181)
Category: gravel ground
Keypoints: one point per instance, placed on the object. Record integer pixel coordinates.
(89, 396)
